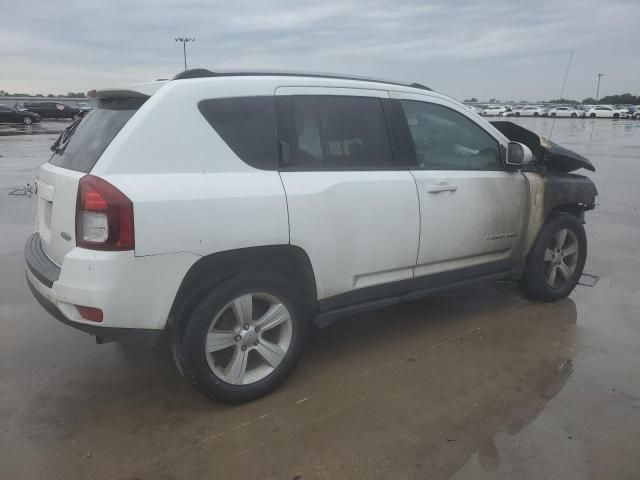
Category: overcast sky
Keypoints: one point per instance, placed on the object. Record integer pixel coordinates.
(507, 49)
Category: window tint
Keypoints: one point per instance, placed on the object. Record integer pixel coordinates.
(307, 145)
(331, 132)
(248, 127)
(81, 145)
(446, 140)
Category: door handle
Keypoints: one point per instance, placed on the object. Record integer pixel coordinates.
(441, 187)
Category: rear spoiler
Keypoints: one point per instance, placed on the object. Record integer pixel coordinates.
(138, 90)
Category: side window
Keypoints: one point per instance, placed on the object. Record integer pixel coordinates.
(247, 125)
(447, 140)
(329, 132)
(306, 149)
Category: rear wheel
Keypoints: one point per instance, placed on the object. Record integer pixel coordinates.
(517, 114)
(556, 260)
(26, 120)
(574, 115)
(616, 115)
(553, 114)
(593, 115)
(535, 114)
(243, 339)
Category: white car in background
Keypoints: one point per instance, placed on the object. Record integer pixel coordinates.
(565, 112)
(606, 111)
(474, 109)
(493, 111)
(530, 111)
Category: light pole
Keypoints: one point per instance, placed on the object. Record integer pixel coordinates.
(600, 75)
(184, 47)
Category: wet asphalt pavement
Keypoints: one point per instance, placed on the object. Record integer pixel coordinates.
(474, 384)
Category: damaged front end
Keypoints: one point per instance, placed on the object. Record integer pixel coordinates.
(548, 155)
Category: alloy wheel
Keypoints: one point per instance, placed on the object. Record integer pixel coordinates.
(561, 258)
(248, 338)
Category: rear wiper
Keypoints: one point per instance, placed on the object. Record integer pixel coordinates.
(60, 144)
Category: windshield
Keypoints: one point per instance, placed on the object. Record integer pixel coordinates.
(83, 142)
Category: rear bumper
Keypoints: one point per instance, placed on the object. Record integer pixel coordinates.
(102, 334)
(134, 293)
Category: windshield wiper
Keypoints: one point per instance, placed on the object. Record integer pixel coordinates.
(61, 143)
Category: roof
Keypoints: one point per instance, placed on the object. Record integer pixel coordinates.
(203, 73)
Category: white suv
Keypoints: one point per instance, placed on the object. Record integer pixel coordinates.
(235, 209)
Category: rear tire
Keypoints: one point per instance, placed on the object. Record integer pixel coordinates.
(517, 114)
(616, 115)
(593, 115)
(208, 357)
(556, 259)
(574, 115)
(535, 114)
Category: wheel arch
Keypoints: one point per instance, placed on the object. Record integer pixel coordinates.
(287, 260)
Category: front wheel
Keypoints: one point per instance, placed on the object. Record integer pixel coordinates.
(574, 115)
(593, 115)
(26, 120)
(556, 260)
(243, 339)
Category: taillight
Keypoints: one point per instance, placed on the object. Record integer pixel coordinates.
(104, 216)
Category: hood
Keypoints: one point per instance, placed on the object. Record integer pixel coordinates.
(551, 155)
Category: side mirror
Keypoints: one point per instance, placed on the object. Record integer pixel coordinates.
(518, 154)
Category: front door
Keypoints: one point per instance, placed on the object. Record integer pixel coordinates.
(472, 210)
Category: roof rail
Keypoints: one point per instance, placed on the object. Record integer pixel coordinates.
(203, 73)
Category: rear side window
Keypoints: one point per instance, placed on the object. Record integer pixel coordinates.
(330, 132)
(247, 125)
(84, 141)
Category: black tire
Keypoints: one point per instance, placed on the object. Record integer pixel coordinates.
(534, 283)
(574, 115)
(593, 115)
(553, 114)
(536, 114)
(188, 338)
(616, 115)
(517, 114)
(27, 120)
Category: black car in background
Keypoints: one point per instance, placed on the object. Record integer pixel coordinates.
(11, 115)
(53, 110)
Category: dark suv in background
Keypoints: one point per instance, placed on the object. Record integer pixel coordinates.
(54, 110)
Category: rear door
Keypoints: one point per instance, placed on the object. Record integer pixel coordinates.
(472, 210)
(79, 149)
(351, 208)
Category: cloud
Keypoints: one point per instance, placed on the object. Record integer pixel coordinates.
(504, 49)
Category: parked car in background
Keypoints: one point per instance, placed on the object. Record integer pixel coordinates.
(604, 111)
(236, 267)
(636, 112)
(493, 111)
(565, 112)
(53, 110)
(84, 107)
(475, 109)
(530, 111)
(12, 115)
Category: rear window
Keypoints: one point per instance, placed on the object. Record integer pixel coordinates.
(82, 144)
(247, 125)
